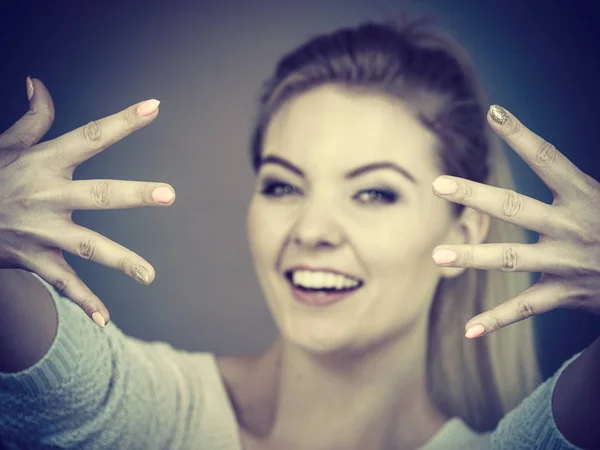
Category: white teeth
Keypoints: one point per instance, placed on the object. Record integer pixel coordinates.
(339, 282)
(322, 280)
(300, 277)
(348, 283)
(330, 280)
(319, 279)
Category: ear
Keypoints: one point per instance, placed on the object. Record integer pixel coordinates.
(470, 228)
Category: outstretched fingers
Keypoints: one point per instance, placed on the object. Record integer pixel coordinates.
(546, 295)
(508, 257)
(558, 173)
(75, 147)
(53, 269)
(503, 204)
(89, 244)
(111, 194)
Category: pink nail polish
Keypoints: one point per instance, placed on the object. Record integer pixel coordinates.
(162, 195)
(444, 256)
(148, 107)
(445, 186)
(475, 331)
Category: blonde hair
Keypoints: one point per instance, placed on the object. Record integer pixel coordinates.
(478, 381)
(481, 380)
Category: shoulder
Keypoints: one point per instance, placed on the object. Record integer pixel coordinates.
(532, 424)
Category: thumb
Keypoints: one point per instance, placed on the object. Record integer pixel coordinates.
(29, 129)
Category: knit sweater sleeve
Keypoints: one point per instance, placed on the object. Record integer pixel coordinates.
(531, 424)
(99, 389)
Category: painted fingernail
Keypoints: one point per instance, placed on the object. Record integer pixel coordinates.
(162, 195)
(475, 331)
(444, 186)
(444, 256)
(498, 114)
(148, 107)
(140, 273)
(99, 319)
(30, 89)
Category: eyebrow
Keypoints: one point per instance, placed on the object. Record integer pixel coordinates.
(277, 160)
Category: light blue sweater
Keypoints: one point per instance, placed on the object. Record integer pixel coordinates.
(99, 389)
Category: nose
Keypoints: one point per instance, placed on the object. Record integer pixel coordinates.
(318, 226)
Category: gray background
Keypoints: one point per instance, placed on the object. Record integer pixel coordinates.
(206, 61)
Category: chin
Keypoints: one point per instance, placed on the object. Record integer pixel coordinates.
(323, 338)
(331, 338)
(316, 335)
(349, 327)
(320, 344)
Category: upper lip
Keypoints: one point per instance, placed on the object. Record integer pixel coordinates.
(289, 270)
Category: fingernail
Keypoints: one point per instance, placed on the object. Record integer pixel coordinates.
(475, 331)
(162, 195)
(148, 107)
(99, 319)
(140, 274)
(499, 115)
(30, 88)
(444, 256)
(444, 186)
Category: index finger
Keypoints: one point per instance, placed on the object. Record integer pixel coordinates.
(554, 168)
(73, 148)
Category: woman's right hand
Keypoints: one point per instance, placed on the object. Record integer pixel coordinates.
(38, 196)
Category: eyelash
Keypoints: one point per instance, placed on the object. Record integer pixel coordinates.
(383, 196)
(270, 188)
(379, 196)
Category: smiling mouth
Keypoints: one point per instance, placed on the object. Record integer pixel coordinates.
(321, 281)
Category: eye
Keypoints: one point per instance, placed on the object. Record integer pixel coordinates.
(274, 188)
(376, 196)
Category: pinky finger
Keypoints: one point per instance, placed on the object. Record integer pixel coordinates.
(57, 272)
(537, 299)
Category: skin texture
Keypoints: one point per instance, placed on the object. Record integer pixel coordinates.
(39, 194)
(568, 249)
(328, 133)
(24, 337)
(352, 354)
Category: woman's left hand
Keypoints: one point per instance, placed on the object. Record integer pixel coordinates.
(568, 250)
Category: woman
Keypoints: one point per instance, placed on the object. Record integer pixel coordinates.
(353, 129)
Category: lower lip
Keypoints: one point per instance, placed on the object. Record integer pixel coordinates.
(320, 299)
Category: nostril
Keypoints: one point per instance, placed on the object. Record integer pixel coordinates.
(314, 242)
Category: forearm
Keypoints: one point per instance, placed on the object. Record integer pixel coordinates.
(576, 400)
(28, 320)
(97, 388)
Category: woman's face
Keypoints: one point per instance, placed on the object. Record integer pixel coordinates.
(343, 219)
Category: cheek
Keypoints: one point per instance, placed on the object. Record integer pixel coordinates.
(387, 252)
(267, 229)
(404, 241)
(398, 257)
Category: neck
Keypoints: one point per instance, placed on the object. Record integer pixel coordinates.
(375, 398)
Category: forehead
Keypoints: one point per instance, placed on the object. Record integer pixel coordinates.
(349, 127)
